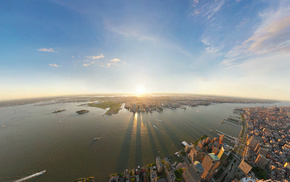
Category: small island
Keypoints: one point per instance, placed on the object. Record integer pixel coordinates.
(82, 111)
(114, 106)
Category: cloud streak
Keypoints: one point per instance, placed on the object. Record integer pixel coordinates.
(130, 32)
(141, 34)
(207, 9)
(96, 57)
(271, 36)
(46, 50)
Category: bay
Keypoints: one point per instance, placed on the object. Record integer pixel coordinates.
(32, 138)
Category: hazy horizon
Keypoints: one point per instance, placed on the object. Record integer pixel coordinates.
(229, 48)
(134, 95)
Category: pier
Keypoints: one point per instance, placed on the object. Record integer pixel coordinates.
(234, 124)
(228, 136)
(31, 176)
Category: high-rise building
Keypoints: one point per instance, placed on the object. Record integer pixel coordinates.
(159, 164)
(196, 154)
(253, 142)
(287, 165)
(224, 157)
(200, 144)
(188, 148)
(210, 164)
(215, 150)
(258, 146)
(208, 139)
(263, 151)
(261, 161)
(192, 154)
(134, 107)
(126, 174)
(221, 152)
(153, 175)
(221, 139)
(170, 176)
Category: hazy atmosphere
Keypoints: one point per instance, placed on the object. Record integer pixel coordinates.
(221, 47)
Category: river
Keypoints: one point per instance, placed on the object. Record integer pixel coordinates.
(32, 138)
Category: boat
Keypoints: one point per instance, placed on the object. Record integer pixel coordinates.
(97, 138)
(57, 111)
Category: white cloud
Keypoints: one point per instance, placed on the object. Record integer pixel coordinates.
(89, 61)
(272, 35)
(54, 65)
(46, 50)
(196, 12)
(115, 60)
(101, 63)
(109, 65)
(96, 57)
(195, 2)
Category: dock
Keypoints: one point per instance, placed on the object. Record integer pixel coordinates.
(31, 176)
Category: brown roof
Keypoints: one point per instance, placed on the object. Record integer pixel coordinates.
(245, 167)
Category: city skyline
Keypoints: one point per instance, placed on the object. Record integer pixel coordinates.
(234, 48)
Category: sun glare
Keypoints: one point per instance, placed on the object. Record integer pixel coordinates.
(140, 90)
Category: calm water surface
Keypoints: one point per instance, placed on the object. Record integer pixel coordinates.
(32, 138)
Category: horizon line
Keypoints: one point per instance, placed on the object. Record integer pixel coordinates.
(137, 95)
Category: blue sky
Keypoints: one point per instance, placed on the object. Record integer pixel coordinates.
(220, 47)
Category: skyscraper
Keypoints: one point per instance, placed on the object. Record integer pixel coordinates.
(261, 161)
(188, 148)
(221, 152)
(159, 164)
(210, 164)
(253, 142)
(221, 139)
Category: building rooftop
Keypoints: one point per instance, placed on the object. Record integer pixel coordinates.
(245, 167)
(184, 143)
(246, 179)
(214, 157)
(198, 165)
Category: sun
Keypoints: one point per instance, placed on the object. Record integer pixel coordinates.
(140, 90)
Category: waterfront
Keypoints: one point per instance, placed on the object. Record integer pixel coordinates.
(32, 138)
